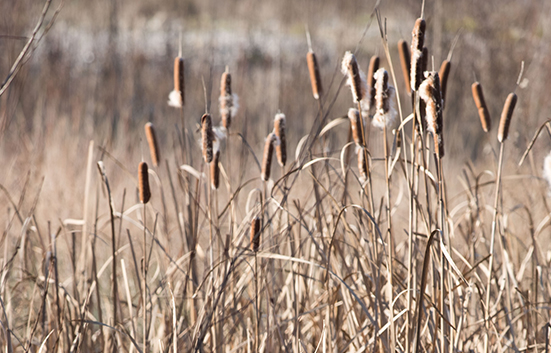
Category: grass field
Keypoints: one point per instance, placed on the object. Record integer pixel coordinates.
(275, 210)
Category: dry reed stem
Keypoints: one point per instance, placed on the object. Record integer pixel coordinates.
(356, 78)
(143, 183)
(255, 234)
(480, 103)
(373, 67)
(179, 77)
(207, 137)
(506, 115)
(226, 101)
(152, 142)
(429, 92)
(315, 78)
(279, 130)
(443, 74)
(405, 62)
(215, 171)
(355, 125)
(267, 159)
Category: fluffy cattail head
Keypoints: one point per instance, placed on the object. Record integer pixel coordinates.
(443, 74)
(226, 100)
(255, 234)
(384, 100)
(176, 97)
(271, 140)
(152, 142)
(418, 35)
(279, 130)
(506, 115)
(429, 92)
(356, 77)
(403, 50)
(143, 183)
(215, 171)
(355, 125)
(373, 67)
(315, 78)
(417, 42)
(362, 164)
(480, 103)
(207, 137)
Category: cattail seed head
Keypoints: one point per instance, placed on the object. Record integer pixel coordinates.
(429, 92)
(207, 137)
(281, 148)
(226, 100)
(356, 77)
(417, 42)
(271, 140)
(362, 164)
(480, 103)
(443, 74)
(215, 171)
(143, 183)
(355, 125)
(384, 100)
(373, 67)
(506, 115)
(315, 78)
(418, 34)
(255, 234)
(176, 97)
(152, 142)
(405, 62)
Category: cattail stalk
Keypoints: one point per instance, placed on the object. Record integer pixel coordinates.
(207, 137)
(267, 159)
(480, 103)
(506, 116)
(315, 78)
(152, 142)
(279, 130)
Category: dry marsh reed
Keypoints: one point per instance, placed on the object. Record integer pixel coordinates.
(213, 250)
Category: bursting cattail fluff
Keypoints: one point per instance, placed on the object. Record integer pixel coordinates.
(207, 138)
(176, 97)
(417, 42)
(356, 77)
(429, 92)
(385, 113)
(255, 234)
(373, 67)
(480, 103)
(355, 124)
(271, 140)
(506, 116)
(315, 78)
(362, 164)
(152, 142)
(443, 74)
(143, 183)
(229, 102)
(215, 171)
(281, 148)
(405, 62)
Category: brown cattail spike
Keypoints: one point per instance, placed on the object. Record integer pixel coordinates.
(143, 183)
(356, 78)
(443, 74)
(373, 67)
(480, 103)
(315, 78)
(152, 142)
(403, 50)
(429, 92)
(281, 148)
(215, 171)
(268, 153)
(255, 234)
(362, 164)
(226, 100)
(424, 60)
(417, 42)
(418, 34)
(506, 115)
(179, 77)
(355, 125)
(207, 137)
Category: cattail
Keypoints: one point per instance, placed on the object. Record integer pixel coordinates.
(483, 112)
(143, 183)
(506, 115)
(443, 74)
(281, 148)
(267, 159)
(373, 67)
(403, 50)
(384, 100)
(356, 77)
(362, 164)
(429, 92)
(215, 171)
(315, 77)
(547, 170)
(153, 146)
(207, 137)
(176, 97)
(417, 42)
(226, 100)
(424, 61)
(255, 234)
(355, 124)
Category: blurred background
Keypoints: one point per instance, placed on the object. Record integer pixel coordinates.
(105, 68)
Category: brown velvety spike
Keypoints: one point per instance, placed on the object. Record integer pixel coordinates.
(179, 77)
(315, 78)
(143, 183)
(443, 74)
(281, 148)
(480, 103)
(215, 171)
(373, 67)
(255, 234)
(152, 142)
(506, 116)
(405, 62)
(267, 159)
(207, 137)
(355, 124)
